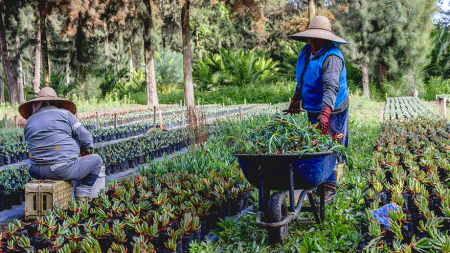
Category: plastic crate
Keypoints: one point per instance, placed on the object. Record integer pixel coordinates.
(41, 195)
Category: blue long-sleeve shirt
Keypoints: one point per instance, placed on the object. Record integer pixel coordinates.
(55, 136)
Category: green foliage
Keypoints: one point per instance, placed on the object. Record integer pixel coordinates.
(168, 68)
(288, 57)
(231, 95)
(234, 67)
(436, 85)
(58, 83)
(110, 78)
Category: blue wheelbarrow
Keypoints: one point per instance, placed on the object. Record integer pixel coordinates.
(287, 172)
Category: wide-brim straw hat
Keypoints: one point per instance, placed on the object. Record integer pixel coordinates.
(320, 28)
(46, 94)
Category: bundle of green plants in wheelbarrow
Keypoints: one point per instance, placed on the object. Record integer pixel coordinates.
(287, 154)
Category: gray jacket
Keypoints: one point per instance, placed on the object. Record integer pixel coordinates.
(55, 136)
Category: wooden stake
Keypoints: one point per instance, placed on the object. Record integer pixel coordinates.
(381, 113)
(436, 97)
(240, 114)
(6, 120)
(270, 103)
(444, 108)
(245, 101)
(290, 100)
(154, 117)
(223, 104)
(198, 102)
(115, 121)
(386, 96)
(98, 121)
(160, 120)
(181, 102)
(16, 122)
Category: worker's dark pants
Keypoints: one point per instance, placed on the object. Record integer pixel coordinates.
(339, 124)
(85, 168)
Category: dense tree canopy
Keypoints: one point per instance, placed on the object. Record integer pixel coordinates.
(108, 46)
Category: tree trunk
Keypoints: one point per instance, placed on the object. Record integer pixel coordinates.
(44, 45)
(37, 59)
(19, 70)
(130, 59)
(311, 9)
(68, 69)
(2, 88)
(149, 54)
(365, 79)
(187, 64)
(106, 44)
(11, 82)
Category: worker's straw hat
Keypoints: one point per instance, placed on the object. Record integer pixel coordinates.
(320, 28)
(46, 94)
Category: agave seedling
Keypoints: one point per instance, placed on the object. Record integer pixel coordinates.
(74, 219)
(100, 231)
(396, 228)
(24, 242)
(171, 244)
(57, 243)
(117, 248)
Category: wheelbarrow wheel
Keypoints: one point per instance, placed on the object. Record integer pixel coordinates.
(277, 210)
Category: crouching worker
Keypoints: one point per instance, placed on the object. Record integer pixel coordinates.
(55, 139)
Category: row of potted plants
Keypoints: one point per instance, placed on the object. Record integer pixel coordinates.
(167, 205)
(410, 168)
(12, 186)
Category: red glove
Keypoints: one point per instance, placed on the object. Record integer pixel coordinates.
(324, 120)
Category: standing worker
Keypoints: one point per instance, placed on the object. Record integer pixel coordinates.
(55, 138)
(322, 84)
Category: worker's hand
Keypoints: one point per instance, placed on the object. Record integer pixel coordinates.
(85, 152)
(324, 120)
(294, 109)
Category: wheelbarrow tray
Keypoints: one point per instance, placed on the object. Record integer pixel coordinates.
(310, 170)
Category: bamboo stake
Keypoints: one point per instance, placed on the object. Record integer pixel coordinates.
(444, 108)
(154, 117)
(381, 113)
(115, 121)
(160, 120)
(240, 114)
(98, 121)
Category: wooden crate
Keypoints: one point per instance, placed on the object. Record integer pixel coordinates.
(41, 195)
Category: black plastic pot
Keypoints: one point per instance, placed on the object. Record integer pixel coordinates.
(187, 239)
(13, 159)
(2, 160)
(1, 202)
(7, 201)
(198, 235)
(16, 197)
(108, 170)
(104, 243)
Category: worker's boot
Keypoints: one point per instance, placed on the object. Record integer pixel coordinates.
(330, 192)
(83, 192)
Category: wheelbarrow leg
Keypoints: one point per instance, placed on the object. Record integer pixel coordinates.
(291, 190)
(322, 201)
(313, 207)
(261, 191)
